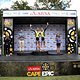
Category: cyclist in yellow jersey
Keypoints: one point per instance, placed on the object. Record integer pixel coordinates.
(43, 35)
(37, 32)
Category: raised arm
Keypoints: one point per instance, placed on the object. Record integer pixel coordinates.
(31, 28)
(46, 26)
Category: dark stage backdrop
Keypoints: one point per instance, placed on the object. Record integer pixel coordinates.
(30, 40)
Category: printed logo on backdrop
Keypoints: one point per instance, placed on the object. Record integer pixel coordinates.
(43, 70)
(46, 71)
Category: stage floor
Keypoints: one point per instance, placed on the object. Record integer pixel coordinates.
(49, 52)
(63, 57)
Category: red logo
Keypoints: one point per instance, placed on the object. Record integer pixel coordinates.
(40, 13)
(34, 68)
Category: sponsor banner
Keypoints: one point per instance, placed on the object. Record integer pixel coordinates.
(39, 13)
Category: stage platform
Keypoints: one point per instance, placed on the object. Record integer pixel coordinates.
(51, 56)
